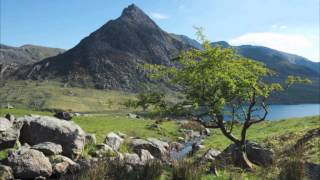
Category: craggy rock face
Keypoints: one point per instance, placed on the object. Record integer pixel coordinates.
(29, 164)
(39, 129)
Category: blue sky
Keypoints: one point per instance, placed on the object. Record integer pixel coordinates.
(287, 25)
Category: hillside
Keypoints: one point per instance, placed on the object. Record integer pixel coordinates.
(285, 64)
(109, 57)
(13, 57)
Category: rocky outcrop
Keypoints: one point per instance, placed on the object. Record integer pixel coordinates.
(48, 129)
(29, 164)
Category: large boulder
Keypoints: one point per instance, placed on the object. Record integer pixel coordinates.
(157, 148)
(113, 140)
(9, 134)
(48, 148)
(39, 129)
(29, 164)
(254, 152)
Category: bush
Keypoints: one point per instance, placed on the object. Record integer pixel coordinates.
(186, 170)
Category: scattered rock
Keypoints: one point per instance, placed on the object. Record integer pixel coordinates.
(209, 155)
(206, 132)
(133, 116)
(4, 124)
(8, 134)
(91, 139)
(29, 164)
(10, 117)
(113, 140)
(154, 127)
(62, 165)
(122, 135)
(48, 148)
(63, 115)
(145, 156)
(5, 172)
(157, 148)
(102, 150)
(131, 159)
(66, 133)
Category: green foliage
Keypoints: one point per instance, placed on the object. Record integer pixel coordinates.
(216, 76)
(151, 99)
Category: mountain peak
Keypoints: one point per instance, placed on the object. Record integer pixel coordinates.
(133, 11)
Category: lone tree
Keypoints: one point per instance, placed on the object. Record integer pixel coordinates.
(224, 83)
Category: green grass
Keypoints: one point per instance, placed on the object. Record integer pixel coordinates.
(266, 130)
(53, 95)
(101, 125)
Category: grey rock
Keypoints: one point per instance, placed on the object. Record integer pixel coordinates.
(210, 155)
(5, 172)
(255, 154)
(113, 140)
(4, 124)
(48, 148)
(91, 139)
(133, 116)
(102, 150)
(63, 115)
(131, 159)
(62, 165)
(145, 156)
(157, 148)
(29, 164)
(8, 135)
(10, 117)
(48, 129)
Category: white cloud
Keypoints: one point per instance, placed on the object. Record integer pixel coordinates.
(300, 44)
(283, 27)
(278, 27)
(159, 16)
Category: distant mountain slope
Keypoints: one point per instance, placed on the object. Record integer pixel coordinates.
(270, 56)
(192, 42)
(109, 57)
(26, 54)
(284, 64)
(12, 58)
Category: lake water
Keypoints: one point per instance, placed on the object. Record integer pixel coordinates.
(277, 112)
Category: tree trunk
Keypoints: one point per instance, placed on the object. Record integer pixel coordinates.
(240, 158)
